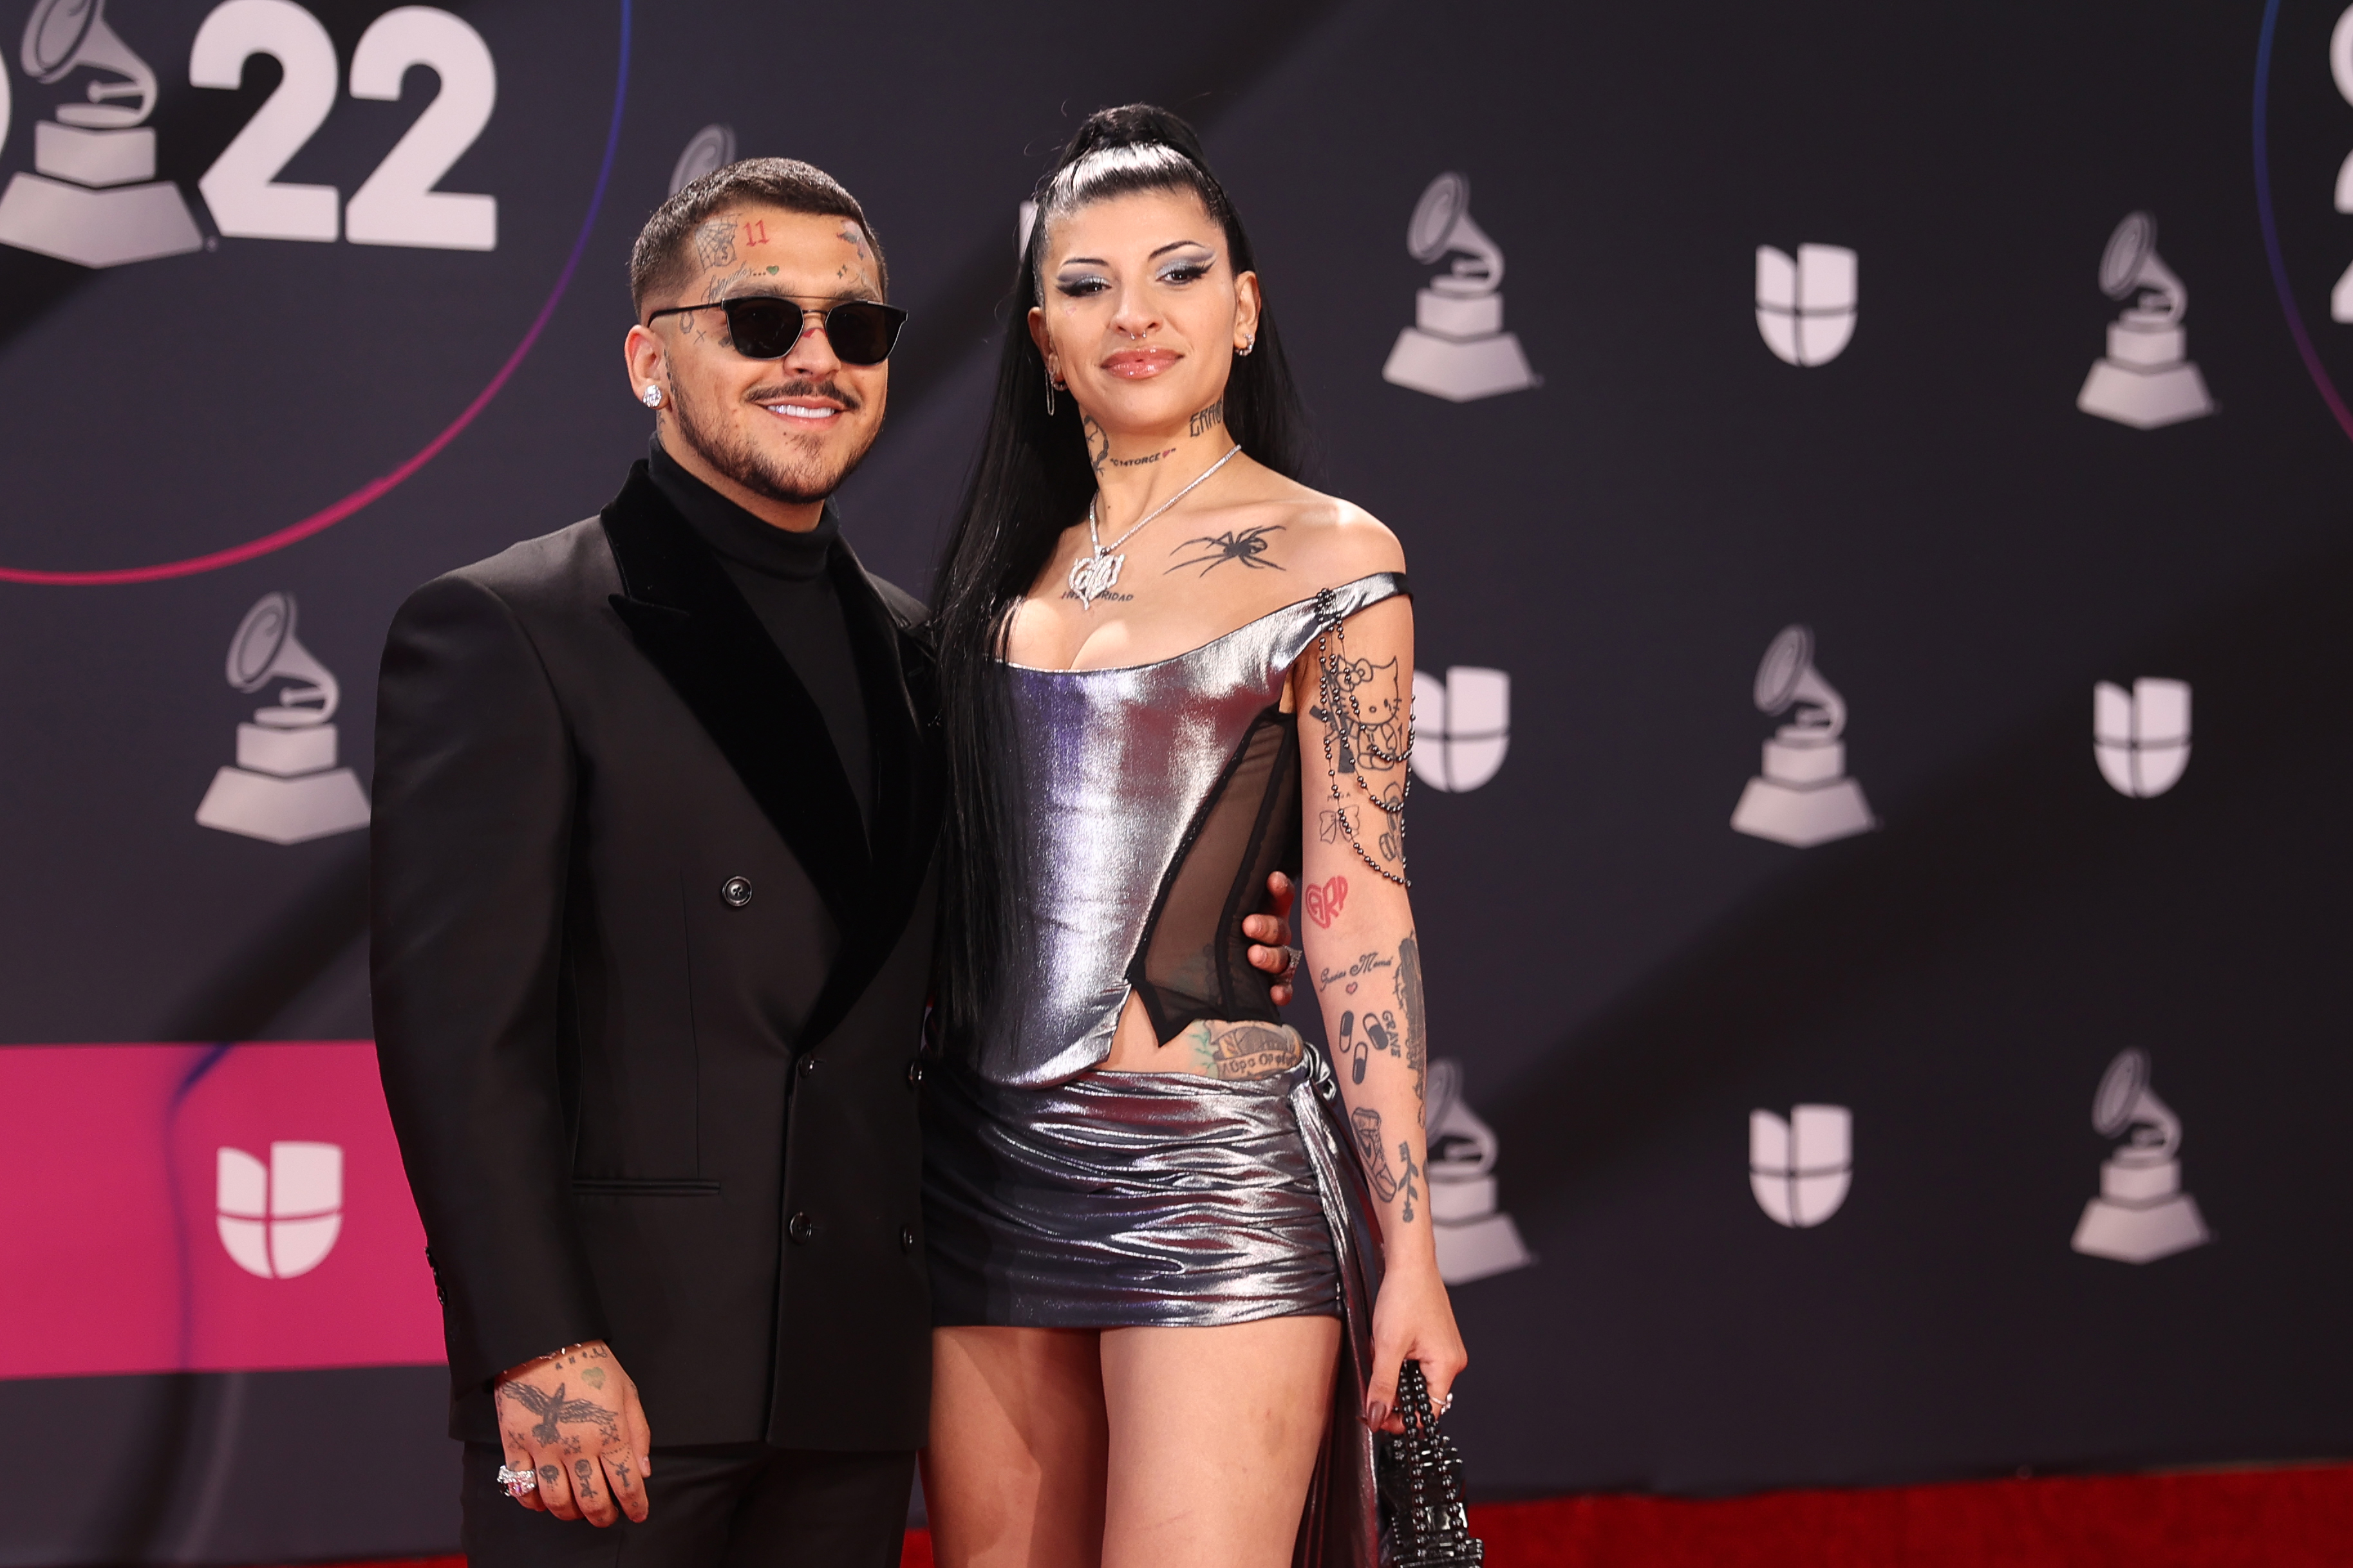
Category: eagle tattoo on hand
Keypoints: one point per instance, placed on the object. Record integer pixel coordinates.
(552, 1408)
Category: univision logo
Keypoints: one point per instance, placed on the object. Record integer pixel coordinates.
(281, 1219)
(1800, 1168)
(1462, 726)
(2141, 738)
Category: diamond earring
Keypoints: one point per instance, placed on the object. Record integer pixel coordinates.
(652, 397)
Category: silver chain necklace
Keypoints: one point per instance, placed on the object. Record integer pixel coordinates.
(1097, 574)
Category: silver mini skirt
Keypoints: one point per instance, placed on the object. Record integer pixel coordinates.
(1124, 1200)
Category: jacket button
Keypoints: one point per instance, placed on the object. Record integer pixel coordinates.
(801, 1227)
(808, 1067)
(906, 1238)
(736, 892)
(914, 1074)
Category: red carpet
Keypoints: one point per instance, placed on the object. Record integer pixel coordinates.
(2245, 1519)
(2241, 1518)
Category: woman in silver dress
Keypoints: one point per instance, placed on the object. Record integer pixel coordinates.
(1177, 1256)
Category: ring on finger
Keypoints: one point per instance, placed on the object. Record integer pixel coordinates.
(517, 1482)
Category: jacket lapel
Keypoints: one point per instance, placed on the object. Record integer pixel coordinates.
(693, 625)
(890, 658)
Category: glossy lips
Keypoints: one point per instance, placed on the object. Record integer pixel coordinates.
(1140, 364)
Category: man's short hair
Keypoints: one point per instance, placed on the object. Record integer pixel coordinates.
(659, 261)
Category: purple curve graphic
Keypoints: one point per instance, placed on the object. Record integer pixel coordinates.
(376, 489)
(2304, 344)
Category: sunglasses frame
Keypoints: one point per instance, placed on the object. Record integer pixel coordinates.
(892, 313)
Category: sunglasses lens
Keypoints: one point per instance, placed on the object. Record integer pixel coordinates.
(763, 328)
(863, 333)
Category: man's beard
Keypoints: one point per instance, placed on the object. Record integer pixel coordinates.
(733, 454)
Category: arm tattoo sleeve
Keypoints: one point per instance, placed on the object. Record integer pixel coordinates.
(1367, 1122)
(1409, 1006)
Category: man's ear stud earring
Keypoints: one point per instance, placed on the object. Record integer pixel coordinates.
(652, 397)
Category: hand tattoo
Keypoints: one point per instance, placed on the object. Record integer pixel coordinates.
(549, 1475)
(552, 1408)
(585, 1471)
(1247, 545)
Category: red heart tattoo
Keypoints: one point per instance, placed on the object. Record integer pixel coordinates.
(1324, 903)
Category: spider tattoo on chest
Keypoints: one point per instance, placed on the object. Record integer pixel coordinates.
(1247, 545)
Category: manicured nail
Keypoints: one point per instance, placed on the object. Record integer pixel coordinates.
(1376, 1412)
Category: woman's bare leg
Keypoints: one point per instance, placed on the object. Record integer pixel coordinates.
(1214, 1434)
(1014, 1478)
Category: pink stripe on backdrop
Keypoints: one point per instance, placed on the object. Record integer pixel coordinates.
(108, 1238)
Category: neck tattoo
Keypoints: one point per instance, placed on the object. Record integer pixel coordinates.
(1095, 575)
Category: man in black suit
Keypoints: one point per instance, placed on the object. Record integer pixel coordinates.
(655, 803)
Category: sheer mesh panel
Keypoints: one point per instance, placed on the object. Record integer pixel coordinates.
(1194, 961)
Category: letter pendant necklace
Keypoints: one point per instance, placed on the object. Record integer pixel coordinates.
(1093, 576)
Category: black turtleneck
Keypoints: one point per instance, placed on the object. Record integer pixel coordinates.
(784, 575)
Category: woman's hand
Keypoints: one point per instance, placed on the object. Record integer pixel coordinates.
(1412, 1320)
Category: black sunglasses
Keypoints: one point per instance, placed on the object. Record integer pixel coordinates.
(763, 326)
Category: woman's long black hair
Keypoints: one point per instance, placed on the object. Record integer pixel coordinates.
(1030, 481)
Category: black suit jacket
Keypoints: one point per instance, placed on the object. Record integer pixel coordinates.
(647, 1001)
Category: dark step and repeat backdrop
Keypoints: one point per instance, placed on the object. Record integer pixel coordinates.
(1876, 482)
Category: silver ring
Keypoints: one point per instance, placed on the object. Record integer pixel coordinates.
(1295, 957)
(517, 1482)
(1449, 1404)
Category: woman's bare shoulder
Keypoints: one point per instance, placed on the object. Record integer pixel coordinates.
(1335, 540)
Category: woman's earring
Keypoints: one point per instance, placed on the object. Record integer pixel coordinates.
(1050, 392)
(652, 397)
(1249, 344)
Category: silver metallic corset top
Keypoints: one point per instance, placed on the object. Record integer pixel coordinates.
(1151, 803)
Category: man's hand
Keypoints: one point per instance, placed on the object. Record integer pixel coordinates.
(1272, 932)
(573, 1421)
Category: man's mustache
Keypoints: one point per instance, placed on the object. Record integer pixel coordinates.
(803, 389)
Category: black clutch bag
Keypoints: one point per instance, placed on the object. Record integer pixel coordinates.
(1420, 1481)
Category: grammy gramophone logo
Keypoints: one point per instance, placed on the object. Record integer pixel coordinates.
(707, 152)
(1803, 796)
(92, 197)
(1457, 347)
(1475, 1238)
(285, 787)
(2142, 1214)
(2147, 378)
